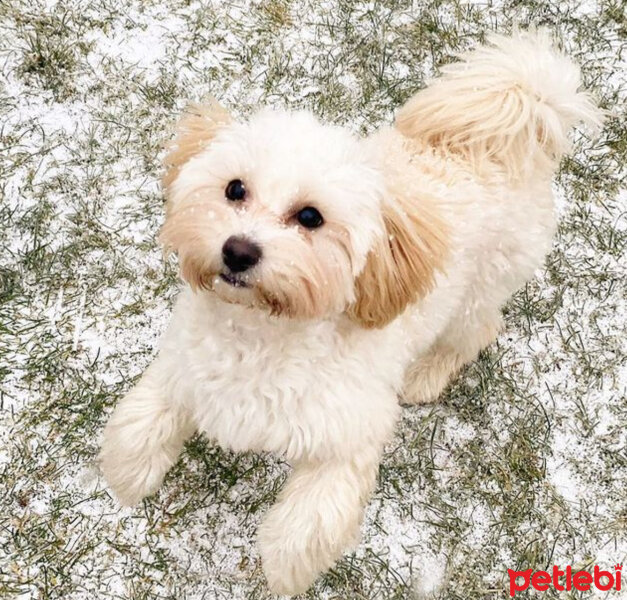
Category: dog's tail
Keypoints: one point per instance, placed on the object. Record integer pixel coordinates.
(510, 102)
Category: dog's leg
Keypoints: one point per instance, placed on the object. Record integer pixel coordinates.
(316, 518)
(427, 377)
(143, 438)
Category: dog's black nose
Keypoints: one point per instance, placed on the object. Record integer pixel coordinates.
(240, 254)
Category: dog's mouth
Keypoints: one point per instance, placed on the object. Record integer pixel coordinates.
(234, 280)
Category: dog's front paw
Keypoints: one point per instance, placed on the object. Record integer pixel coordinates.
(297, 544)
(288, 580)
(141, 442)
(129, 469)
(131, 480)
(287, 557)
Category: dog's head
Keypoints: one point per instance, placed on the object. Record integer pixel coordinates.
(291, 216)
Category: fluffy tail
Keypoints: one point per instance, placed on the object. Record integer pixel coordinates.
(511, 102)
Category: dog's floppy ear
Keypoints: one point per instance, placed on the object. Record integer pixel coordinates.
(196, 128)
(401, 266)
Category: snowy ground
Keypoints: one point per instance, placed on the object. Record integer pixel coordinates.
(522, 464)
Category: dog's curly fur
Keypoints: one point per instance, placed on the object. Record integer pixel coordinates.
(429, 226)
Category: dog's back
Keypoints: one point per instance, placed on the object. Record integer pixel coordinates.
(497, 122)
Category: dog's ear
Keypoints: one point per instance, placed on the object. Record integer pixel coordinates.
(401, 266)
(194, 131)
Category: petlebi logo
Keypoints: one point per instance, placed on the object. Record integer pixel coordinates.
(565, 580)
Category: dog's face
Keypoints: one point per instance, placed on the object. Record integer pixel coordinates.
(287, 215)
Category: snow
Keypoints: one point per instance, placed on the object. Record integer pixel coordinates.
(211, 550)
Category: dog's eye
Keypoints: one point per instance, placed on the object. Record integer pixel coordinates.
(235, 190)
(309, 217)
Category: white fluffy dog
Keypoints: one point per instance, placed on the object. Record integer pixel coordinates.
(330, 276)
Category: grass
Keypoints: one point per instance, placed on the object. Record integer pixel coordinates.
(522, 464)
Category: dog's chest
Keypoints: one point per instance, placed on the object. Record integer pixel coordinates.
(236, 362)
(282, 387)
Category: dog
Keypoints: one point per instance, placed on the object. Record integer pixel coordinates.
(330, 276)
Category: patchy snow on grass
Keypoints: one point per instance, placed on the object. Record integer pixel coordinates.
(522, 462)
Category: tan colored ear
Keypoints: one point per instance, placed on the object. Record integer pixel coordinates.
(194, 131)
(401, 267)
